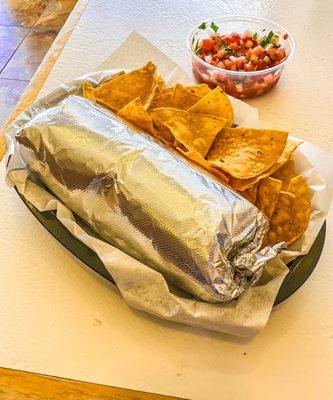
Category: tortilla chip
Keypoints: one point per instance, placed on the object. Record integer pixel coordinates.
(198, 159)
(199, 90)
(157, 90)
(251, 194)
(243, 184)
(114, 76)
(154, 93)
(300, 189)
(121, 90)
(268, 194)
(245, 153)
(168, 89)
(88, 91)
(89, 86)
(182, 98)
(282, 219)
(285, 173)
(161, 101)
(163, 133)
(160, 84)
(216, 103)
(195, 131)
(135, 113)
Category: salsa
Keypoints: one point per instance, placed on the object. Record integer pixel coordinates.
(248, 51)
(244, 64)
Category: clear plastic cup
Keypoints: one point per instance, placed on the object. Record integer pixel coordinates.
(240, 84)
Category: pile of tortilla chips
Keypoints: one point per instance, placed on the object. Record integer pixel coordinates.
(198, 122)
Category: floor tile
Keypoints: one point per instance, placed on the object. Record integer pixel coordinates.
(29, 55)
(10, 39)
(21, 12)
(55, 14)
(10, 92)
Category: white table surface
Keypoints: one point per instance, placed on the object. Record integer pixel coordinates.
(57, 317)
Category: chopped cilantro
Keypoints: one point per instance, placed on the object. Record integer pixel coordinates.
(267, 39)
(214, 27)
(255, 36)
(202, 26)
(228, 51)
(234, 126)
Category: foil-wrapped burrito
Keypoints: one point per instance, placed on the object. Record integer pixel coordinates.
(150, 203)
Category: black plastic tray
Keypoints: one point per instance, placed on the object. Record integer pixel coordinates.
(300, 268)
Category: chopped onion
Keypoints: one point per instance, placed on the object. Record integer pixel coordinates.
(239, 87)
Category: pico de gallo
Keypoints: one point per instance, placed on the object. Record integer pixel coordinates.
(246, 52)
(249, 51)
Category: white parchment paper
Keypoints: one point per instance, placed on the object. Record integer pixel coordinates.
(146, 289)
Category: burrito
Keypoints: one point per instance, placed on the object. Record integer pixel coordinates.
(146, 200)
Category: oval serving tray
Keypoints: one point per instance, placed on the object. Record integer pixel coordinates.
(300, 268)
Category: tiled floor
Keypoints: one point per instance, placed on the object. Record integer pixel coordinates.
(27, 30)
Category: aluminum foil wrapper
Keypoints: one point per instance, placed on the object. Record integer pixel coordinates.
(146, 200)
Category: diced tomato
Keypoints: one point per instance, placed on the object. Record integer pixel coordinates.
(218, 40)
(248, 44)
(258, 51)
(228, 64)
(248, 67)
(285, 36)
(267, 60)
(233, 46)
(207, 45)
(254, 59)
(236, 37)
(261, 64)
(228, 39)
(280, 54)
(272, 52)
(246, 36)
(248, 53)
(239, 63)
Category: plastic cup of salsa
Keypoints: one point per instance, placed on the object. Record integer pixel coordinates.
(240, 84)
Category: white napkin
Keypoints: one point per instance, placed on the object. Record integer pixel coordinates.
(146, 289)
